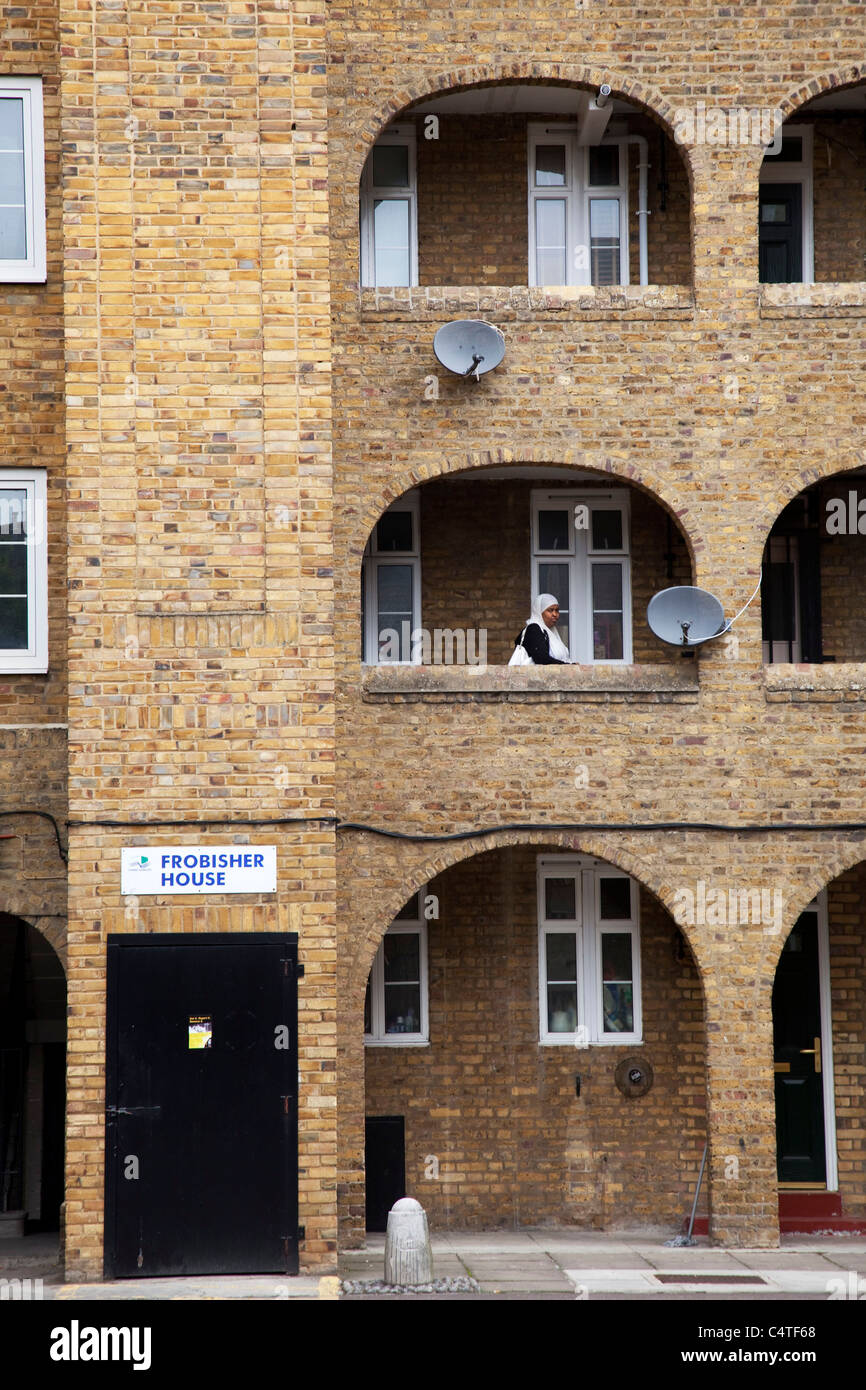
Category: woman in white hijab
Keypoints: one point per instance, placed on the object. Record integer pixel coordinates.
(539, 638)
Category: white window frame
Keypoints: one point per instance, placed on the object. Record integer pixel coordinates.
(370, 566)
(580, 557)
(33, 267)
(577, 194)
(35, 659)
(370, 194)
(800, 172)
(378, 1037)
(588, 928)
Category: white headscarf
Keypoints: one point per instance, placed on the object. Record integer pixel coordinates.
(557, 646)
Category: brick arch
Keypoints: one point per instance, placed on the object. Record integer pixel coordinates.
(53, 929)
(843, 858)
(445, 856)
(818, 471)
(847, 76)
(415, 475)
(564, 74)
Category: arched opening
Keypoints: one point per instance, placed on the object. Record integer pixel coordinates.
(525, 183)
(534, 1049)
(451, 568)
(819, 1031)
(32, 1079)
(812, 219)
(814, 570)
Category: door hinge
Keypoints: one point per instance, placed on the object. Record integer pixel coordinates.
(302, 1233)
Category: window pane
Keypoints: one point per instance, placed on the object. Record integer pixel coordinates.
(13, 514)
(550, 241)
(616, 956)
(778, 621)
(402, 1008)
(390, 166)
(549, 166)
(604, 240)
(560, 902)
(607, 612)
(13, 234)
(368, 1008)
(394, 593)
(615, 900)
(553, 530)
(561, 1008)
(617, 995)
(618, 1008)
(790, 153)
(410, 911)
(561, 955)
(12, 178)
(13, 624)
(606, 530)
(11, 123)
(604, 166)
(402, 957)
(394, 531)
(391, 240)
(553, 579)
(13, 569)
(777, 213)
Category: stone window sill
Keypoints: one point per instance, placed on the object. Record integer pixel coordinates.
(842, 682)
(649, 684)
(571, 303)
(829, 300)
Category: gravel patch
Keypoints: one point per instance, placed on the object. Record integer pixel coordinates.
(460, 1284)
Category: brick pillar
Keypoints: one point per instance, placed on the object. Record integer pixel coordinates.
(741, 1124)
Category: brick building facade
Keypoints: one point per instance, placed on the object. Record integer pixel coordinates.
(225, 391)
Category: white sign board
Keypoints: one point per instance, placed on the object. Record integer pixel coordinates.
(188, 869)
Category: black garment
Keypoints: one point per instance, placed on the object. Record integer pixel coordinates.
(537, 644)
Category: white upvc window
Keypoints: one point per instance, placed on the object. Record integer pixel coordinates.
(23, 571)
(396, 1004)
(389, 210)
(391, 587)
(793, 165)
(578, 209)
(22, 180)
(588, 953)
(580, 554)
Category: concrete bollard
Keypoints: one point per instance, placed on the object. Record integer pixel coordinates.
(408, 1257)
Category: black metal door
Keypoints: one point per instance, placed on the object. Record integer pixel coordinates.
(201, 1132)
(385, 1166)
(781, 233)
(797, 1057)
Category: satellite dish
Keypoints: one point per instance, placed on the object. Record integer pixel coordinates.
(685, 616)
(469, 347)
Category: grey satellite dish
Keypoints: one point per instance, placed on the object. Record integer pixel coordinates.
(685, 616)
(469, 347)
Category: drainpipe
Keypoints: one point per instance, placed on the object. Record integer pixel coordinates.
(642, 209)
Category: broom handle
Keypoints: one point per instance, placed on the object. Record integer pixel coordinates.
(698, 1189)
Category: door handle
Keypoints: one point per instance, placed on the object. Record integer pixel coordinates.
(816, 1050)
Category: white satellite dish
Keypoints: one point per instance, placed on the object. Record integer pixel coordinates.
(469, 347)
(685, 616)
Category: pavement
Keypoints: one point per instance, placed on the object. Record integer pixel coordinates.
(536, 1264)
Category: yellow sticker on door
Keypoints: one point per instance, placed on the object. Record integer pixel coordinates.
(200, 1030)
